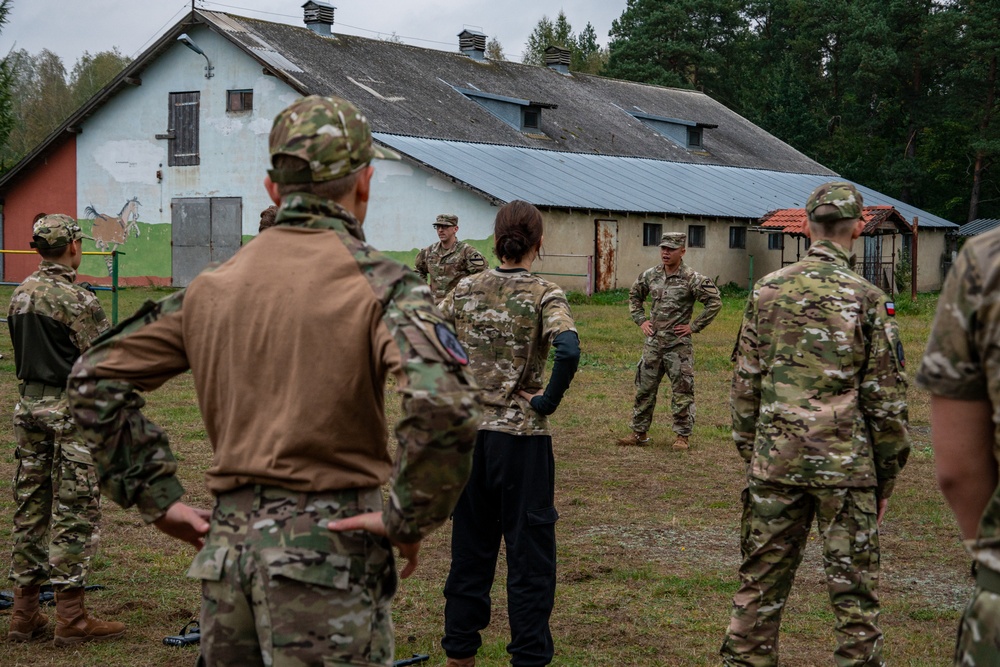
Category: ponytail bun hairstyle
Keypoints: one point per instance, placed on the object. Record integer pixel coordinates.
(518, 231)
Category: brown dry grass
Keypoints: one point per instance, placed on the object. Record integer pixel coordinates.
(647, 537)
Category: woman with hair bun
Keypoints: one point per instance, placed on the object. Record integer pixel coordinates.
(507, 319)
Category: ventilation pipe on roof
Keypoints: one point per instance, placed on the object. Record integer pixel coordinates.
(472, 44)
(558, 59)
(318, 17)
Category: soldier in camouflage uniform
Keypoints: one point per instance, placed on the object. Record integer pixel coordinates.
(296, 567)
(673, 288)
(508, 318)
(449, 260)
(819, 416)
(961, 370)
(51, 321)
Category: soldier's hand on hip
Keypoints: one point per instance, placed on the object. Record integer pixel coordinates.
(683, 329)
(647, 328)
(185, 523)
(372, 522)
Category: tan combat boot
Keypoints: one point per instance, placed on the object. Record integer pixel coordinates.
(73, 626)
(637, 439)
(681, 442)
(461, 662)
(27, 621)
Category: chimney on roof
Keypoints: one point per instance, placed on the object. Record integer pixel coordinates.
(472, 44)
(318, 17)
(558, 59)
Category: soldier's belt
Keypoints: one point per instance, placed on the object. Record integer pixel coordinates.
(38, 390)
(987, 579)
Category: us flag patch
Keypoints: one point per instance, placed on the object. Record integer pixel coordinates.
(890, 308)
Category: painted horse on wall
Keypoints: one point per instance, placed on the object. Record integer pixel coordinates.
(109, 231)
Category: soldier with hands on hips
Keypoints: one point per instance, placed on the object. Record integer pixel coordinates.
(449, 260)
(673, 288)
(819, 415)
(295, 559)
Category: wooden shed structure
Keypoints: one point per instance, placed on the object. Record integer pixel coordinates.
(886, 237)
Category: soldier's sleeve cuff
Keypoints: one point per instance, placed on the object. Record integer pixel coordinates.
(156, 498)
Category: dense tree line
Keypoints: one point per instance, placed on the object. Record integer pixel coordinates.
(900, 95)
(40, 95)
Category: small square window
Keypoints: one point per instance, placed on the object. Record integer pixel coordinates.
(530, 119)
(696, 236)
(775, 241)
(239, 100)
(651, 234)
(694, 137)
(737, 237)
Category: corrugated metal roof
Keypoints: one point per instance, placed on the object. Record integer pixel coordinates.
(979, 226)
(624, 184)
(877, 218)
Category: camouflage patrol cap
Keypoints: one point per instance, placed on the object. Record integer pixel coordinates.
(673, 240)
(843, 197)
(447, 220)
(327, 132)
(55, 231)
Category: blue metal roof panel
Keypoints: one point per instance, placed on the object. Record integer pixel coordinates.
(979, 226)
(627, 184)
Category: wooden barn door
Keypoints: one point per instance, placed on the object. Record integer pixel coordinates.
(605, 255)
(204, 230)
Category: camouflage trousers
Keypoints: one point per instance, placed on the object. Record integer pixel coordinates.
(978, 642)
(661, 356)
(780, 517)
(56, 496)
(279, 588)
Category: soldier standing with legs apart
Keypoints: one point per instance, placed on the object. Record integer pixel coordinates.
(819, 416)
(673, 287)
(508, 318)
(961, 370)
(296, 567)
(51, 321)
(449, 260)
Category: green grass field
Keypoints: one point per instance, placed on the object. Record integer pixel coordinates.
(648, 543)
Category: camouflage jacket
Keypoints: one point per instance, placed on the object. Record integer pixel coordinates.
(819, 395)
(289, 343)
(51, 321)
(672, 300)
(445, 268)
(507, 321)
(962, 360)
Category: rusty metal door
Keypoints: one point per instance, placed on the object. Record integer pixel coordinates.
(605, 255)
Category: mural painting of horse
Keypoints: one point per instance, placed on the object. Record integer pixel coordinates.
(109, 231)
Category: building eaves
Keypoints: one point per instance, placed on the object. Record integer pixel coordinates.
(979, 226)
(623, 184)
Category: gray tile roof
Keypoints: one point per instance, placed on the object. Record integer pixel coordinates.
(624, 184)
(410, 90)
(978, 226)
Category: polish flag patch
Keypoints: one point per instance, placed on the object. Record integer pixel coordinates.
(890, 308)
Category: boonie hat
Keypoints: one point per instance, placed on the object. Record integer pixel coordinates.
(447, 220)
(673, 240)
(844, 198)
(55, 231)
(327, 132)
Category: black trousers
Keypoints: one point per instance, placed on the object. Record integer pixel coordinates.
(510, 494)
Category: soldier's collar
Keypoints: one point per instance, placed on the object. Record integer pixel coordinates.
(301, 209)
(831, 251)
(57, 269)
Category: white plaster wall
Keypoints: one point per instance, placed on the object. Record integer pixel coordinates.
(406, 199)
(118, 155)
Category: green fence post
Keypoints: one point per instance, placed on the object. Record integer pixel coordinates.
(114, 287)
